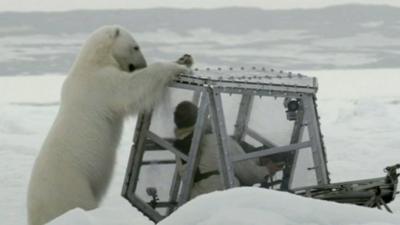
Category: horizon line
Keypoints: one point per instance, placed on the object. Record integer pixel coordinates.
(203, 8)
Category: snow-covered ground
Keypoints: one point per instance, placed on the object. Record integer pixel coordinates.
(244, 206)
(255, 206)
(360, 120)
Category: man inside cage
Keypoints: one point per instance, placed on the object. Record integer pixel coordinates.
(207, 177)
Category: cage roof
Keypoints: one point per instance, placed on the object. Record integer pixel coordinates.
(255, 79)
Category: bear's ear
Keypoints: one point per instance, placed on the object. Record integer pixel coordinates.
(116, 33)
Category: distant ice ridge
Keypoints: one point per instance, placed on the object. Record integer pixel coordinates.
(248, 206)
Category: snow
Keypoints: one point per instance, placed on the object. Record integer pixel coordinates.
(359, 112)
(107, 215)
(249, 205)
(256, 206)
(37, 45)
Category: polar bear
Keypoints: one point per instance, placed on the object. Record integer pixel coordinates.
(108, 81)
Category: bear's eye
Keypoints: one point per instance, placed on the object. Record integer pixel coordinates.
(136, 48)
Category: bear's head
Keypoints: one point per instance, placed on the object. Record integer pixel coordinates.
(112, 46)
(126, 51)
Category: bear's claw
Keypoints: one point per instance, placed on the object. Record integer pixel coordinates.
(186, 60)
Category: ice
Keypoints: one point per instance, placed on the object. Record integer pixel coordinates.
(107, 215)
(207, 35)
(359, 112)
(255, 206)
(244, 206)
(75, 216)
(31, 89)
(37, 45)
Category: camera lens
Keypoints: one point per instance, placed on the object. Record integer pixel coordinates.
(293, 105)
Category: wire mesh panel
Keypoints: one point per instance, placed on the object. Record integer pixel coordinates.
(304, 171)
(276, 126)
(155, 179)
(162, 122)
(230, 107)
(268, 118)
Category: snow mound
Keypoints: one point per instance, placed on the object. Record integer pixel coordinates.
(256, 206)
(241, 206)
(115, 211)
(76, 216)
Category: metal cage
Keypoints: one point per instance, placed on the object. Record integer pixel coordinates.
(297, 94)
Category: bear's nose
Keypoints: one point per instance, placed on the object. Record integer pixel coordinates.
(131, 68)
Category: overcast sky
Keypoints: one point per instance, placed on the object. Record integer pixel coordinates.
(62, 5)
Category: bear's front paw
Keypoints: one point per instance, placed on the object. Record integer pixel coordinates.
(186, 60)
(171, 69)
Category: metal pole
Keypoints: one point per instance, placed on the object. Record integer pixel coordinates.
(271, 151)
(218, 121)
(243, 116)
(136, 155)
(193, 160)
(173, 192)
(291, 158)
(315, 138)
(196, 97)
(145, 208)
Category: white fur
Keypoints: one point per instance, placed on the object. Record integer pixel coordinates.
(75, 163)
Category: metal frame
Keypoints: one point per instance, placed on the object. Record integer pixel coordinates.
(136, 156)
(217, 115)
(272, 151)
(291, 161)
(208, 87)
(315, 136)
(193, 162)
(376, 192)
(243, 116)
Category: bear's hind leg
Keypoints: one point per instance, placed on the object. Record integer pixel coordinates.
(71, 192)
